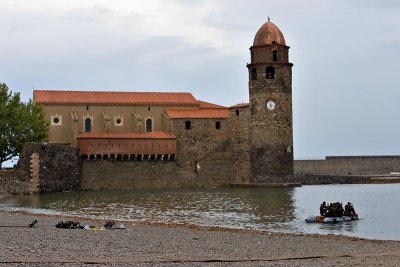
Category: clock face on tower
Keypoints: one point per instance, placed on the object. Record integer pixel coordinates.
(271, 105)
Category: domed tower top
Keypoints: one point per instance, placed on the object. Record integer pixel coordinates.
(267, 34)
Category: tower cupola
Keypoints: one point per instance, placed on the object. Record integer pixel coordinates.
(268, 34)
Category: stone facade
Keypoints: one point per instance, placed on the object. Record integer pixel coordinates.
(59, 167)
(150, 174)
(239, 129)
(43, 168)
(16, 182)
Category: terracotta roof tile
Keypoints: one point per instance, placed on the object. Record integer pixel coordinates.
(241, 105)
(198, 114)
(127, 135)
(208, 105)
(112, 98)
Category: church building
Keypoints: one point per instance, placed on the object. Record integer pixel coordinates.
(251, 142)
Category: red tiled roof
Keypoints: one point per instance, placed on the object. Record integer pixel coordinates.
(112, 98)
(241, 105)
(198, 114)
(127, 135)
(208, 105)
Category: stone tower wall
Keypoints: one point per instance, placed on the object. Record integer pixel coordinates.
(271, 131)
(239, 131)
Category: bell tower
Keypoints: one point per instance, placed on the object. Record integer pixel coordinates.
(270, 91)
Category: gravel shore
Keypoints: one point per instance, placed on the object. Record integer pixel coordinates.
(168, 245)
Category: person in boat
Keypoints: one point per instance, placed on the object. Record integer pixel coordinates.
(323, 209)
(331, 210)
(350, 211)
(335, 210)
(340, 210)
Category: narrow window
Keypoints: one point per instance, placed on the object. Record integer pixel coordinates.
(237, 112)
(252, 56)
(149, 125)
(218, 125)
(275, 55)
(188, 125)
(253, 74)
(270, 73)
(88, 125)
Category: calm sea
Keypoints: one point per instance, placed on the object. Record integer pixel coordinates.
(270, 209)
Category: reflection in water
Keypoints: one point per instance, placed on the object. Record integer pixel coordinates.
(235, 208)
(272, 209)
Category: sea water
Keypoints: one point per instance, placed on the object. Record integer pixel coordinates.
(267, 209)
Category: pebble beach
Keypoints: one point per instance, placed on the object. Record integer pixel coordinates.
(150, 244)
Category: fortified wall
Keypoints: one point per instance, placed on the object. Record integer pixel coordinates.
(43, 168)
(54, 168)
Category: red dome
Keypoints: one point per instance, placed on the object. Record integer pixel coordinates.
(267, 34)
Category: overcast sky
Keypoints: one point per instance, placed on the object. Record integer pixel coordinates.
(346, 56)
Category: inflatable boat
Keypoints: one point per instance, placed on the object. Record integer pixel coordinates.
(323, 219)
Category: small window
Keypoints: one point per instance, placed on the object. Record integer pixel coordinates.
(270, 73)
(148, 108)
(252, 56)
(118, 121)
(275, 55)
(149, 125)
(88, 125)
(237, 112)
(56, 120)
(188, 125)
(253, 74)
(218, 125)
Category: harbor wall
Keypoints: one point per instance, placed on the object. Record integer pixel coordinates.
(349, 165)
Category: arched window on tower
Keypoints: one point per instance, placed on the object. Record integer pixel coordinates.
(252, 56)
(88, 125)
(253, 74)
(149, 125)
(270, 72)
(274, 55)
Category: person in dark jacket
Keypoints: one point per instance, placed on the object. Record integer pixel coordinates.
(349, 210)
(323, 209)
